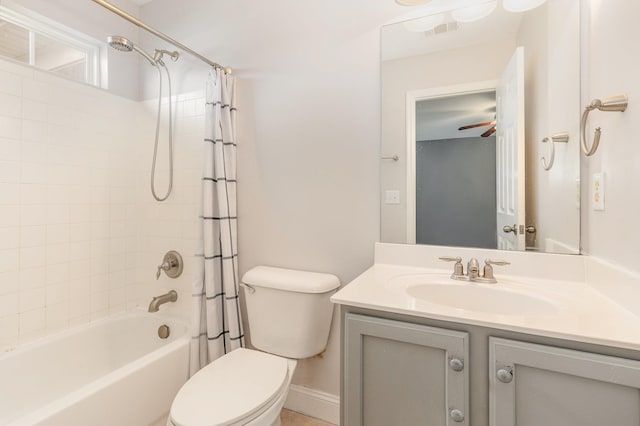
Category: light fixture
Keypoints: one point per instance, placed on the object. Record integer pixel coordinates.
(426, 23)
(521, 5)
(474, 12)
(411, 2)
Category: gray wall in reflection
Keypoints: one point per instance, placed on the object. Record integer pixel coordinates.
(456, 192)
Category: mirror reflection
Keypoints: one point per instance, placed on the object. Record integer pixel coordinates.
(469, 94)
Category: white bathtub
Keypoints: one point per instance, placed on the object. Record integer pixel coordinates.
(113, 372)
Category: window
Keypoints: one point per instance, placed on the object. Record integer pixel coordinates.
(38, 41)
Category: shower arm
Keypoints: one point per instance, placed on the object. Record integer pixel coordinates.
(157, 33)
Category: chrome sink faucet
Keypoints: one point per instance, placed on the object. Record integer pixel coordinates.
(473, 269)
(171, 296)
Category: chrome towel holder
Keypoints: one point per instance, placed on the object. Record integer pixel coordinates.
(615, 103)
(562, 137)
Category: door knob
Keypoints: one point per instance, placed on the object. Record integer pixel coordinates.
(507, 229)
(531, 229)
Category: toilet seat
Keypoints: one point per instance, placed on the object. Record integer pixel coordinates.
(233, 389)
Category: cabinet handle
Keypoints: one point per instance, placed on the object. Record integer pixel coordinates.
(457, 416)
(456, 364)
(505, 375)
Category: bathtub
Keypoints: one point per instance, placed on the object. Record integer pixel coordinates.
(115, 371)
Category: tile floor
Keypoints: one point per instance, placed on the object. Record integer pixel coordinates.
(291, 418)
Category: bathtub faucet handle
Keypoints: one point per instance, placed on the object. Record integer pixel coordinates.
(160, 268)
(172, 265)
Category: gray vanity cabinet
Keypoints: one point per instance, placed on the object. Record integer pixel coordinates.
(546, 385)
(399, 373)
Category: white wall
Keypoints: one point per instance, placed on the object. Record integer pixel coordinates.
(612, 68)
(552, 102)
(308, 130)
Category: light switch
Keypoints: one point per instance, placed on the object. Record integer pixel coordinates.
(597, 192)
(392, 196)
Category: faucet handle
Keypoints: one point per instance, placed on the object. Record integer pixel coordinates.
(458, 270)
(160, 269)
(172, 265)
(496, 262)
(488, 269)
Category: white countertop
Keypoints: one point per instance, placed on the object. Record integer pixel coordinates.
(583, 313)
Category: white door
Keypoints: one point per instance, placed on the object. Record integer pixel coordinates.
(510, 155)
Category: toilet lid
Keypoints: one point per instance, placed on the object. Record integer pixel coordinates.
(231, 388)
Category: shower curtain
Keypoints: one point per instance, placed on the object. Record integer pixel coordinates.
(216, 323)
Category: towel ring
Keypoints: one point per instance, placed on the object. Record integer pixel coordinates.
(615, 103)
(562, 137)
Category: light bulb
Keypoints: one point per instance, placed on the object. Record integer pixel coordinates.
(475, 12)
(412, 2)
(521, 5)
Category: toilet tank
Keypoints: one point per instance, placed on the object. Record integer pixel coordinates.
(289, 311)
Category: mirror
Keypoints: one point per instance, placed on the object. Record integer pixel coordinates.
(477, 102)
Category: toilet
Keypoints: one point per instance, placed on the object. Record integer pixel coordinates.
(289, 315)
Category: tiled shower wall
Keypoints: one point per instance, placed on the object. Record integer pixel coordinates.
(80, 236)
(170, 225)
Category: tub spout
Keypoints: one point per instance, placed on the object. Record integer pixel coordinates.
(154, 306)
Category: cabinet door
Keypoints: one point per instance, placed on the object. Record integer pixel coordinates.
(533, 385)
(398, 373)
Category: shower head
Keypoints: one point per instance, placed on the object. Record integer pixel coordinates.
(123, 44)
(120, 43)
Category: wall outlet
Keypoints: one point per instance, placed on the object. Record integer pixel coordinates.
(597, 192)
(392, 196)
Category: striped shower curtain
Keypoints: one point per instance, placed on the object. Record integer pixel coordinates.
(216, 322)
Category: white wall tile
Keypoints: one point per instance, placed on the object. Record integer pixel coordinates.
(9, 172)
(9, 326)
(32, 110)
(9, 193)
(9, 150)
(9, 260)
(32, 298)
(9, 238)
(32, 236)
(10, 83)
(9, 215)
(32, 277)
(10, 127)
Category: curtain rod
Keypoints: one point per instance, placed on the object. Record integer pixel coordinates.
(157, 33)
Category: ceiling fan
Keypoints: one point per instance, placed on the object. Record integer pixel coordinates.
(490, 131)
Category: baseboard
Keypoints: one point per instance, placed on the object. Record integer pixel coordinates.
(314, 403)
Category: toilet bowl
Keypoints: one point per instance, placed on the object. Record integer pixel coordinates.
(244, 387)
(289, 315)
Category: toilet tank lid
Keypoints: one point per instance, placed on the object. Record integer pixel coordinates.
(290, 280)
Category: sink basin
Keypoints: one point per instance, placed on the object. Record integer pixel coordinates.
(489, 298)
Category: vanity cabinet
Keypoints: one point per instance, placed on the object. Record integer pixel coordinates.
(399, 370)
(398, 373)
(545, 385)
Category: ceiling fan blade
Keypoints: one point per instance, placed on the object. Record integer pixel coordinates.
(489, 132)
(473, 126)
